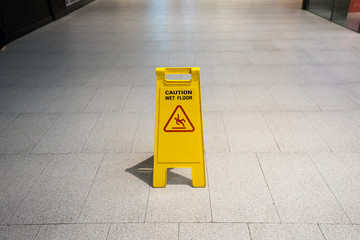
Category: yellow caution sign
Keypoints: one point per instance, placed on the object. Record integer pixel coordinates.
(178, 126)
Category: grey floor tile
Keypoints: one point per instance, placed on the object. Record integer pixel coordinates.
(345, 73)
(329, 97)
(10, 95)
(141, 99)
(105, 77)
(18, 232)
(318, 74)
(195, 46)
(299, 192)
(138, 76)
(205, 58)
(35, 100)
(337, 129)
(355, 115)
(172, 46)
(130, 59)
(39, 76)
(340, 232)
(294, 133)
(73, 231)
(227, 75)
(127, 47)
(215, 139)
(157, 59)
(292, 98)
(261, 45)
(334, 56)
(235, 58)
(151, 231)
(218, 98)
(120, 190)
(206, 36)
(108, 99)
(183, 36)
(178, 203)
(22, 135)
(262, 57)
(352, 91)
(222, 46)
(144, 137)
(254, 132)
(182, 59)
(162, 36)
(147, 46)
(68, 134)
(103, 59)
(258, 75)
(60, 193)
(18, 174)
(285, 231)
(72, 99)
(113, 133)
(341, 171)
(211, 231)
(233, 179)
(206, 76)
(289, 57)
(254, 98)
(73, 77)
(6, 119)
(289, 75)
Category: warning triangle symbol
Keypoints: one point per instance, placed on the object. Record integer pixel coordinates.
(179, 122)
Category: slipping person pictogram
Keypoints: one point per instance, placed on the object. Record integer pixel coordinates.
(179, 121)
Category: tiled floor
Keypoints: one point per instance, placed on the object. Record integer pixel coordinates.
(281, 113)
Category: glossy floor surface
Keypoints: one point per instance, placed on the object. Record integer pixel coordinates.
(281, 113)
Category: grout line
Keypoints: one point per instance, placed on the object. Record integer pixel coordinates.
(273, 98)
(227, 138)
(107, 235)
(123, 69)
(342, 90)
(248, 226)
(178, 231)
(91, 187)
(351, 118)
(272, 134)
(61, 89)
(311, 98)
(92, 96)
(235, 96)
(91, 131)
(37, 179)
(316, 130)
(318, 225)
(267, 184)
(208, 186)
(37, 233)
(42, 137)
(18, 115)
(127, 98)
(139, 223)
(148, 197)
(329, 187)
(136, 131)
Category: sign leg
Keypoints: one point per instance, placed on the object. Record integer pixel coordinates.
(198, 176)
(159, 176)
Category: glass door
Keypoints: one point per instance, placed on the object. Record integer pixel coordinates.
(322, 8)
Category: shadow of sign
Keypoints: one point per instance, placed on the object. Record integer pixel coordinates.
(144, 171)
